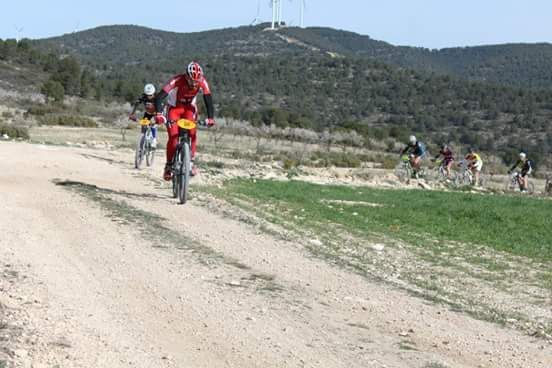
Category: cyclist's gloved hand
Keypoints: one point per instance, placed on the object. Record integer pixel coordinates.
(210, 122)
(132, 117)
(160, 119)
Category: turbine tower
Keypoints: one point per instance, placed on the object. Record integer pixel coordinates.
(19, 30)
(276, 13)
(302, 13)
(257, 20)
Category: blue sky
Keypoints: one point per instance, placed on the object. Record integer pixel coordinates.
(427, 23)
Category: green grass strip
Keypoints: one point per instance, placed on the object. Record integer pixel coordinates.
(515, 224)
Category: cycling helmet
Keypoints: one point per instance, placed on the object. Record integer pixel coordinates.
(444, 146)
(471, 150)
(412, 139)
(194, 71)
(522, 155)
(149, 89)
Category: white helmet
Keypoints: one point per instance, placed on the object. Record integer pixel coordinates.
(149, 89)
(522, 155)
(412, 139)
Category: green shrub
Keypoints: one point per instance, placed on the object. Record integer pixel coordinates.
(14, 131)
(67, 120)
(388, 163)
(7, 115)
(290, 163)
(41, 109)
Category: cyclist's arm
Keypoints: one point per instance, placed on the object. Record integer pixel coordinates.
(515, 165)
(207, 98)
(529, 167)
(135, 106)
(159, 98)
(167, 88)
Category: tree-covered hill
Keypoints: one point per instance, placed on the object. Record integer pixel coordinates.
(525, 65)
(278, 78)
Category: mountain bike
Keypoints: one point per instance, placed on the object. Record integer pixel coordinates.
(404, 170)
(512, 183)
(181, 165)
(144, 146)
(439, 172)
(466, 176)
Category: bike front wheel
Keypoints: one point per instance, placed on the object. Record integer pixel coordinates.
(511, 185)
(150, 154)
(140, 148)
(403, 173)
(184, 173)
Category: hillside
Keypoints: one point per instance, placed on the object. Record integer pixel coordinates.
(522, 65)
(305, 84)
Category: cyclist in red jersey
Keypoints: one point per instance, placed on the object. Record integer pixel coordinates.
(182, 90)
(448, 158)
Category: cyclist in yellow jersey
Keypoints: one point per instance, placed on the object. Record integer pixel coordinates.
(475, 164)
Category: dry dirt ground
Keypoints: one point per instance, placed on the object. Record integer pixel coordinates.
(100, 268)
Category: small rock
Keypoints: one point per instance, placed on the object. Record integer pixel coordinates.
(378, 247)
(234, 283)
(315, 242)
(21, 353)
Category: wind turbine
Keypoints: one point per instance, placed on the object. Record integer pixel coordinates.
(18, 30)
(302, 12)
(257, 20)
(276, 12)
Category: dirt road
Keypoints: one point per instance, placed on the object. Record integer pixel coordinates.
(100, 268)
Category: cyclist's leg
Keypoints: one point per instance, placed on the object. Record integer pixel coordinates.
(153, 128)
(524, 181)
(477, 166)
(449, 167)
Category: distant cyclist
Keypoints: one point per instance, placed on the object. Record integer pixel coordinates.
(182, 90)
(448, 158)
(475, 164)
(148, 100)
(526, 166)
(416, 152)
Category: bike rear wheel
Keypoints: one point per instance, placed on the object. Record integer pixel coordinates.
(184, 173)
(140, 148)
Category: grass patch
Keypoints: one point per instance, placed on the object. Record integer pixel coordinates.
(513, 224)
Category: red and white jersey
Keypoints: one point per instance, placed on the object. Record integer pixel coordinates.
(180, 92)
